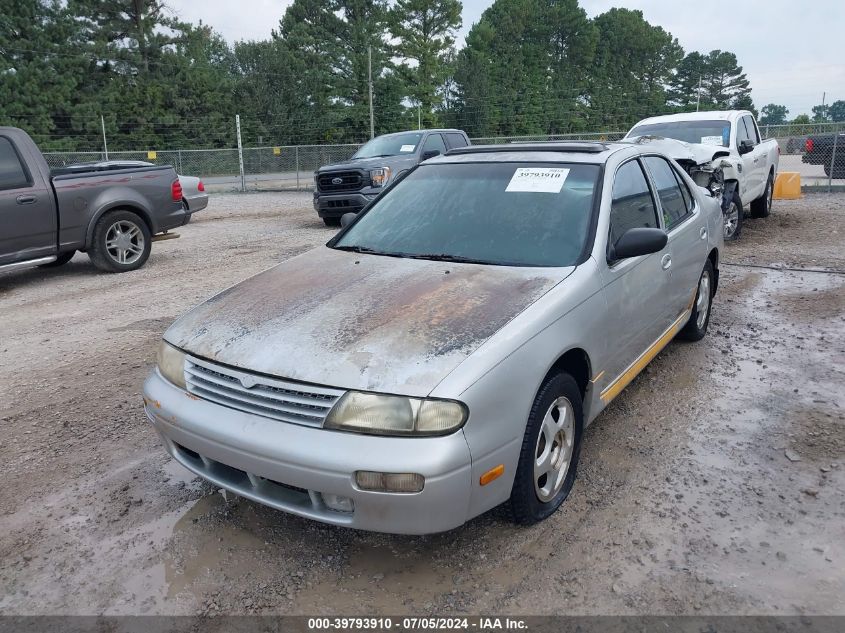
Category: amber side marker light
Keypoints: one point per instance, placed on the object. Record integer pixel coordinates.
(492, 475)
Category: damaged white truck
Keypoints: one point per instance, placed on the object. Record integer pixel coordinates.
(723, 152)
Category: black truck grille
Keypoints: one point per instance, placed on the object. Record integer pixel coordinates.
(341, 181)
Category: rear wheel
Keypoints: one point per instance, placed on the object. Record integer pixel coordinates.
(762, 206)
(550, 449)
(733, 219)
(121, 242)
(331, 221)
(699, 318)
(61, 260)
(838, 172)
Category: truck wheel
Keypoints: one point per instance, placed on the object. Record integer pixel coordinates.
(550, 449)
(699, 318)
(839, 172)
(61, 260)
(121, 242)
(331, 221)
(733, 219)
(762, 206)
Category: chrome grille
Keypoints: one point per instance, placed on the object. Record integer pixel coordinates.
(292, 402)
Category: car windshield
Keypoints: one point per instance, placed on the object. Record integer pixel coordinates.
(510, 214)
(393, 145)
(701, 132)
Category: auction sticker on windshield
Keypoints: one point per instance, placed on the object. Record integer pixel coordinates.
(407, 148)
(538, 180)
(711, 140)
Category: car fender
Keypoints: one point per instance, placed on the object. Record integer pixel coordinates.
(118, 198)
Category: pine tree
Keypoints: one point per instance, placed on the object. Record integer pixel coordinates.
(425, 30)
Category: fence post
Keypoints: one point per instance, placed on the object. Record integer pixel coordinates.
(832, 162)
(296, 152)
(180, 161)
(240, 151)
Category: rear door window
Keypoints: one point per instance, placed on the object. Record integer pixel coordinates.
(455, 140)
(671, 200)
(632, 205)
(13, 175)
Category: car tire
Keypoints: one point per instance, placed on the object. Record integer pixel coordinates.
(699, 318)
(734, 216)
(762, 206)
(553, 432)
(838, 172)
(61, 260)
(121, 242)
(187, 212)
(333, 222)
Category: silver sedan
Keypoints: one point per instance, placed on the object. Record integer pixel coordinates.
(443, 353)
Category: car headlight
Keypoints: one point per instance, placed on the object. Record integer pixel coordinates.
(380, 176)
(171, 364)
(395, 415)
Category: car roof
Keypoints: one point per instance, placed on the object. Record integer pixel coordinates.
(542, 152)
(709, 115)
(423, 131)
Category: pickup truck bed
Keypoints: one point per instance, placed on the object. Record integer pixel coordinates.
(113, 216)
(819, 150)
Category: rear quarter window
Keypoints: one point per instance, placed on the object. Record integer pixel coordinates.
(13, 175)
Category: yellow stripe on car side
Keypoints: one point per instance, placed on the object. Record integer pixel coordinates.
(616, 387)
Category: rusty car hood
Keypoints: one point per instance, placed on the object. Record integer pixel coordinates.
(360, 321)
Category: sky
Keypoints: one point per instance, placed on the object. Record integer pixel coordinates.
(790, 50)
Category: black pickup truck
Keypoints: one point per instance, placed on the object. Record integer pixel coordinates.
(819, 150)
(350, 186)
(114, 216)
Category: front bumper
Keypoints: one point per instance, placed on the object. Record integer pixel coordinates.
(334, 205)
(290, 467)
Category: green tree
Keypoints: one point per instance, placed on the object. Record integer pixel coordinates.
(39, 77)
(744, 102)
(837, 111)
(722, 82)
(774, 114)
(633, 65)
(801, 119)
(821, 113)
(525, 69)
(425, 34)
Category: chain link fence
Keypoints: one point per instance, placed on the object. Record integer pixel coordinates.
(815, 151)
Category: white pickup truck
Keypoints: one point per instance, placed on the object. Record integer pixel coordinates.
(724, 153)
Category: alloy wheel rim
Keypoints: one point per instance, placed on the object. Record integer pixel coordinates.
(731, 220)
(125, 242)
(702, 302)
(553, 451)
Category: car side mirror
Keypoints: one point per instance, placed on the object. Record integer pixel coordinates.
(745, 146)
(430, 154)
(347, 218)
(638, 241)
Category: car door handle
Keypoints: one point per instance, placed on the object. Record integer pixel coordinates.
(666, 262)
(702, 233)
(26, 199)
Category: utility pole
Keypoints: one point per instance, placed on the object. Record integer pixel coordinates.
(419, 117)
(105, 145)
(698, 98)
(370, 81)
(240, 151)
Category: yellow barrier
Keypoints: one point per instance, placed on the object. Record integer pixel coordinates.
(788, 186)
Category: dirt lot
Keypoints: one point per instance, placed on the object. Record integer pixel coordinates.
(713, 485)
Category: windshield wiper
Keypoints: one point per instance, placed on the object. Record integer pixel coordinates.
(358, 249)
(446, 257)
(376, 156)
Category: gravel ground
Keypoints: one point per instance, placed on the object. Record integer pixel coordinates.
(712, 485)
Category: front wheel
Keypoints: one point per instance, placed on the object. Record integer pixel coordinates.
(699, 318)
(550, 449)
(121, 242)
(733, 219)
(762, 206)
